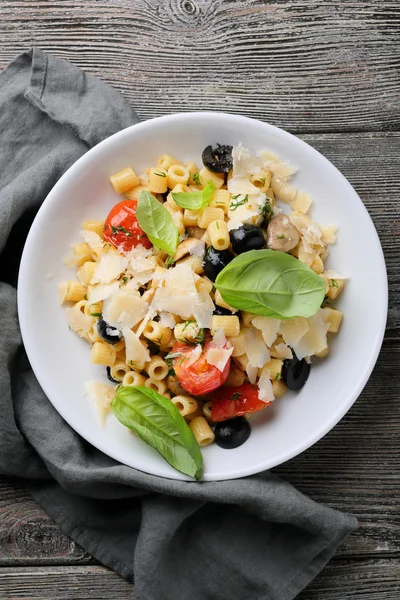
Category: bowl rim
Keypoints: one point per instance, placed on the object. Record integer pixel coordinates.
(73, 171)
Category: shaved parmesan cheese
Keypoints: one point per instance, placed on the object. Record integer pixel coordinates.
(198, 249)
(124, 309)
(71, 261)
(203, 311)
(265, 391)
(329, 234)
(314, 340)
(251, 373)
(334, 275)
(134, 349)
(110, 267)
(308, 228)
(269, 328)
(167, 320)
(283, 351)
(178, 294)
(249, 212)
(62, 291)
(302, 202)
(103, 291)
(219, 339)
(256, 349)
(241, 185)
(92, 239)
(77, 320)
(244, 163)
(219, 357)
(278, 167)
(292, 330)
(194, 355)
(101, 396)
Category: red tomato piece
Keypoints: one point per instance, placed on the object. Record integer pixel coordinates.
(122, 229)
(198, 378)
(230, 402)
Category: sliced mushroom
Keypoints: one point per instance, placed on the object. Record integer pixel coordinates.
(282, 234)
(188, 247)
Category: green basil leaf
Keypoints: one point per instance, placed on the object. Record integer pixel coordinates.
(157, 223)
(158, 422)
(195, 200)
(271, 283)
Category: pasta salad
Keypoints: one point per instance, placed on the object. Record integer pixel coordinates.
(204, 294)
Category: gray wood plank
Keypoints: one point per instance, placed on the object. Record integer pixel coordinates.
(341, 580)
(305, 66)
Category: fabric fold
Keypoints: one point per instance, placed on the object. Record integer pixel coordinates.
(249, 539)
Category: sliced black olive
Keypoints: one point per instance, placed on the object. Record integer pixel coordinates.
(295, 373)
(218, 159)
(216, 260)
(232, 433)
(219, 310)
(109, 334)
(110, 377)
(247, 237)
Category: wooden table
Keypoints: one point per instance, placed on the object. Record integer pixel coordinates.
(327, 71)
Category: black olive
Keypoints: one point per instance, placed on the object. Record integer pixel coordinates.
(110, 377)
(295, 373)
(233, 433)
(216, 260)
(219, 310)
(109, 334)
(247, 237)
(218, 159)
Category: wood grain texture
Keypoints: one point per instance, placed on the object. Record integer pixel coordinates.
(344, 580)
(305, 66)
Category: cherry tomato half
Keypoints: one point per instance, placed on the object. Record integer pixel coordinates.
(122, 229)
(230, 402)
(198, 378)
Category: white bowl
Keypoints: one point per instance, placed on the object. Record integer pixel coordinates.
(61, 361)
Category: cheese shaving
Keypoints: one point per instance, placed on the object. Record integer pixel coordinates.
(92, 239)
(265, 391)
(218, 357)
(77, 320)
(269, 328)
(103, 291)
(124, 309)
(109, 268)
(292, 330)
(101, 396)
(251, 373)
(314, 340)
(194, 356)
(134, 349)
(334, 275)
(256, 349)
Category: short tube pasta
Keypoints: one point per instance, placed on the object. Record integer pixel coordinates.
(229, 325)
(133, 378)
(205, 175)
(219, 235)
(76, 291)
(119, 370)
(157, 181)
(208, 215)
(165, 161)
(221, 199)
(157, 333)
(185, 404)
(157, 369)
(93, 225)
(202, 431)
(157, 386)
(103, 354)
(124, 180)
(177, 174)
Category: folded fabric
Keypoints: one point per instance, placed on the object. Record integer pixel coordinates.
(249, 539)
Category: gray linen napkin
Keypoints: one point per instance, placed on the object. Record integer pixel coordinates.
(250, 539)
